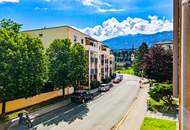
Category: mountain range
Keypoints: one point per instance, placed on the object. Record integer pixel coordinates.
(129, 41)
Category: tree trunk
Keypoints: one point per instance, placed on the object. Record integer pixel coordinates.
(63, 91)
(3, 107)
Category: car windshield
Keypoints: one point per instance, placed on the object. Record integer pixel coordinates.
(103, 85)
(79, 93)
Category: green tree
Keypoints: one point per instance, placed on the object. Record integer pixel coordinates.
(79, 65)
(8, 24)
(23, 65)
(59, 62)
(157, 64)
(137, 64)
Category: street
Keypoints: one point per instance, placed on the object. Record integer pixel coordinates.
(102, 113)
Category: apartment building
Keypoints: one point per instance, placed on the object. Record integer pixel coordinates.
(100, 57)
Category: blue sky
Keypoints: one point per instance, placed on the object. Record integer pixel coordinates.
(82, 14)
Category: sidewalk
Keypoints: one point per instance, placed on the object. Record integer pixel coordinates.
(135, 116)
(39, 112)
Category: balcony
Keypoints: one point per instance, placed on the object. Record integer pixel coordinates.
(91, 44)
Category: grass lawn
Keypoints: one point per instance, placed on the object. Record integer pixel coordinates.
(126, 71)
(158, 124)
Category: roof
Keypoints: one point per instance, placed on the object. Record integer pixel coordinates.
(87, 36)
(60, 27)
(164, 43)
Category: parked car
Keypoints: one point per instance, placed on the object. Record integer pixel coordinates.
(120, 77)
(116, 80)
(81, 96)
(110, 84)
(104, 87)
(94, 92)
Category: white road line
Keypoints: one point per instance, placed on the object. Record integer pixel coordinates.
(68, 111)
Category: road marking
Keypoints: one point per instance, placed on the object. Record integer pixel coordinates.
(68, 111)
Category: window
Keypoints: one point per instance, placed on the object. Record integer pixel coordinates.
(40, 35)
(82, 41)
(75, 38)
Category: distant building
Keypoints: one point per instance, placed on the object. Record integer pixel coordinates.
(100, 57)
(166, 45)
(124, 56)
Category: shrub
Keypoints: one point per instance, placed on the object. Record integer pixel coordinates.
(94, 84)
(106, 80)
(113, 76)
(162, 100)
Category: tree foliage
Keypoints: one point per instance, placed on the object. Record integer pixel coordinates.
(59, 62)
(157, 64)
(137, 64)
(10, 25)
(67, 64)
(23, 65)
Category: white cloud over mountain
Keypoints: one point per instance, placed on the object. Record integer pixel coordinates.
(13, 1)
(112, 27)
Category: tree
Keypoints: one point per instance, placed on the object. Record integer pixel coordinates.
(23, 65)
(8, 24)
(157, 64)
(137, 64)
(59, 62)
(79, 65)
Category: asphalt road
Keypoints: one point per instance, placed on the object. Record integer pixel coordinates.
(100, 114)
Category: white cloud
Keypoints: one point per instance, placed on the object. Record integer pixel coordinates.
(94, 3)
(110, 10)
(112, 27)
(12, 1)
(40, 9)
(100, 6)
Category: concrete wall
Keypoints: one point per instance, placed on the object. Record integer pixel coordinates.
(26, 102)
(48, 35)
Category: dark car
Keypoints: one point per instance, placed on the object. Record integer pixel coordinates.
(110, 84)
(104, 87)
(81, 96)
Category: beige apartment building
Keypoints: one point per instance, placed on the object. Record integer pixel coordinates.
(100, 57)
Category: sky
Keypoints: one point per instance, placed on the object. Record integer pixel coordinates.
(101, 19)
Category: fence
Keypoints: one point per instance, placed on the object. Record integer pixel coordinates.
(26, 102)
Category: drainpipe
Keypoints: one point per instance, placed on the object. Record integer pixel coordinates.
(186, 64)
